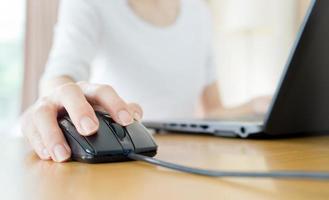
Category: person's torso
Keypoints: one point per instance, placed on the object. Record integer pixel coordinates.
(161, 68)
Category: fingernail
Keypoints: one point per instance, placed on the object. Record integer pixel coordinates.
(60, 153)
(137, 116)
(45, 153)
(88, 125)
(124, 117)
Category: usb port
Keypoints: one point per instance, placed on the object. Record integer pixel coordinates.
(203, 126)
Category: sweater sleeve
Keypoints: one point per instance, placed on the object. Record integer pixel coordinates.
(75, 41)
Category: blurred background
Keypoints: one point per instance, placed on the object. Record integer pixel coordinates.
(252, 40)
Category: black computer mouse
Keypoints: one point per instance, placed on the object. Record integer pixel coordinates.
(111, 143)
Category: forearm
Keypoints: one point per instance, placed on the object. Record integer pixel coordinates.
(210, 99)
(213, 107)
(222, 112)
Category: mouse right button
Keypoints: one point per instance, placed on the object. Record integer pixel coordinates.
(119, 131)
(141, 138)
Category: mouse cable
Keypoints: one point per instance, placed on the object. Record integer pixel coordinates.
(214, 173)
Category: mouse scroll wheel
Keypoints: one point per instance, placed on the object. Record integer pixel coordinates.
(119, 131)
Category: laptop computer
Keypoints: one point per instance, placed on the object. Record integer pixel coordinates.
(301, 101)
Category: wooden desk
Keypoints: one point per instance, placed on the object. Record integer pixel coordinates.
(23, 176)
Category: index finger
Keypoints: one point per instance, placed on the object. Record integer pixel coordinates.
(80, 111)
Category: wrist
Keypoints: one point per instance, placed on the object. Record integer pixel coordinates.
(47, 86)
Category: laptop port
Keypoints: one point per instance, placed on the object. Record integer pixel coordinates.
(172, 124)
(204, 126)
(193, 126)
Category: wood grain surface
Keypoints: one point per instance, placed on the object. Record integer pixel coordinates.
(24, 176)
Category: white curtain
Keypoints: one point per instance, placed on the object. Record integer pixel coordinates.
(40, 18)
(253, 39)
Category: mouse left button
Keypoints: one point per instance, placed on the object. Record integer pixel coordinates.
(72, 136)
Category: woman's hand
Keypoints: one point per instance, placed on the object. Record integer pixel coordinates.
(213, 108)
(39, 123)
(255, 107)
(259, 105)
